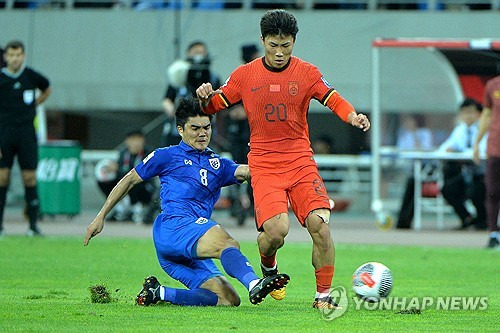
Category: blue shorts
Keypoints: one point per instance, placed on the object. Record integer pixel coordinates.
(175, 242)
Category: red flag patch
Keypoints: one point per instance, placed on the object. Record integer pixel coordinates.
(274, 88)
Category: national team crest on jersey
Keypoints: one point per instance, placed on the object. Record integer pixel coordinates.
(214, 163)
(293, 88)
(28, 96)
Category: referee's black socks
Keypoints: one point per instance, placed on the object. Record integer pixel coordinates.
(32, 205)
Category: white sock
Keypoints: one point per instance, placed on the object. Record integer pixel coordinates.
(494, 234)
(267, 269)
(252, 284)
(162, 293)
(322, 295)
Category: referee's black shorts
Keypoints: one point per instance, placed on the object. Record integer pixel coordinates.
(19, 140)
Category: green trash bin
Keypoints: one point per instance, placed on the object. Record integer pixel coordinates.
(58, 177)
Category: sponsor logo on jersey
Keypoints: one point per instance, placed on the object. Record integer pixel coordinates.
(214, 163)
(201, 220)
(17, 85)
(256, 88)
(188, 162)
(293, 88)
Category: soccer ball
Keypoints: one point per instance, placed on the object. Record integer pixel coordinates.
(372, 281)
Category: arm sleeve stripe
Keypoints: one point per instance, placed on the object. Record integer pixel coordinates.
(328, 95)
(224, 99)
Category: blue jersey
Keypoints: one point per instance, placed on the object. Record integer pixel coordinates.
(190, 180)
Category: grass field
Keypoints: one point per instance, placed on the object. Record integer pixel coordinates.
(44, 287)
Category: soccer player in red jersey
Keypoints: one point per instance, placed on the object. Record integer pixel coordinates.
(275, 91)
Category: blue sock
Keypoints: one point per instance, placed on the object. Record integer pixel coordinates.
(193, 297)
(237, 266)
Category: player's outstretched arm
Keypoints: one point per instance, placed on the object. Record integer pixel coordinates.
(119, 191)
(359, 120)
(205, 92)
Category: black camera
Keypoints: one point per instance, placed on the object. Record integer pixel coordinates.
(198, 73)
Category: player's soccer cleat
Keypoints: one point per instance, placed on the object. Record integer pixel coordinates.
(150, 293)
(493, 243)
(267, 285)
(277, 294)
(34, 232)
(325, 303)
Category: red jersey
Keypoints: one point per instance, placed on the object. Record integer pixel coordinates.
(492, 101)
(277, 102)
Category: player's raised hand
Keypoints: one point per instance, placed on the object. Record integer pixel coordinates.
(93, 229)
(361, 121)
(205, 92)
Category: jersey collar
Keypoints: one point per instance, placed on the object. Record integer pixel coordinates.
(187, 148)
(277, 70)
(14, 75)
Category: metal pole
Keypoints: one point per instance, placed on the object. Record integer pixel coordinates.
(417, 205)
(177, 27)
(376, 204)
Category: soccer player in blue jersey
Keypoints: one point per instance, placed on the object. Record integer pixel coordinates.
(185, 237)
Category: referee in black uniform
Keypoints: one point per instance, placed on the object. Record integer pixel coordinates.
(18, 101)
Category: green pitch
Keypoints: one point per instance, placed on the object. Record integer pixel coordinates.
(44, 287)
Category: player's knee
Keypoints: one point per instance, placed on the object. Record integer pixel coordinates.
(29, 179)
(319, 230)
(4, 177)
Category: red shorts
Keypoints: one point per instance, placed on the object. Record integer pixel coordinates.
(302, 186)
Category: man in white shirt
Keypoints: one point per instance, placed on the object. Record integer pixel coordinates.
(465, 180)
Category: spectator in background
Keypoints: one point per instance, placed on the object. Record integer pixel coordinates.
(238, 134)
(2, 61)
(322, 145)
(413, 135)
(490, 120)
(185, 76)
(464, 180)
(140, 199)
(18, 102)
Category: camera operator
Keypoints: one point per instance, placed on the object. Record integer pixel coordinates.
(184, 77)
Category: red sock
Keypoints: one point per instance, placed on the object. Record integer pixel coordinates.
(268, 262)
(324, 277)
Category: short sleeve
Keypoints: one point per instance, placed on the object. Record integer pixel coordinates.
(320, 87)
(231, 89)
(41, 81)
(153, 164)
(229, 168)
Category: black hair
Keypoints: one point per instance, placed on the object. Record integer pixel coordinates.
(188, 107)
(14, 44)
(196, 43)
(471, 101)
(136, 132)
(278, 22)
